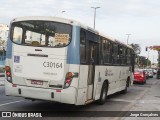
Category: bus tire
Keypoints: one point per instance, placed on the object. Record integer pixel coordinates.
(103, 94)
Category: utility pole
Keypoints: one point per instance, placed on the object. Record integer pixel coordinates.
(148, 59)
(94, 14)
(128, 37)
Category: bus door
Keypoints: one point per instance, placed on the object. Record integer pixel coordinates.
(93, 60)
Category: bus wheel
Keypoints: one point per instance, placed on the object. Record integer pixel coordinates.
(103, 95)
(127, 85)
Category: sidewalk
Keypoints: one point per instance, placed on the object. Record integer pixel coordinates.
(149, 102)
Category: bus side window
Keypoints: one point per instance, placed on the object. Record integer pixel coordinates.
(82, 46)
(101, 51)
(128, 56)
(107, 51)
(115, 54)
(132, 59)
(120, 54)
(124, 56)
(111, 52)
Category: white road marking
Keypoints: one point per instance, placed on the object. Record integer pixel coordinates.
(10, 103)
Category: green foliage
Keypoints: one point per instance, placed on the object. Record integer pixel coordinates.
(143, 62)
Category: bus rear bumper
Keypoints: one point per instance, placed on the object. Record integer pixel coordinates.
(63, 96)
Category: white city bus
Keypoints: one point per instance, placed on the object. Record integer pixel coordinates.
(56, 59)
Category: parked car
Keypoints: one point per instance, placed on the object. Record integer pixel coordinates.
(154, 71)
(139, 76)
(150, 71)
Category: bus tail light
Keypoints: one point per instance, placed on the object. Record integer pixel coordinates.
(69, 74)
(8, 74)
(68, 80)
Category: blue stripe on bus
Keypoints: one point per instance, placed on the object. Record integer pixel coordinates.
(73, 56)
(9, 49)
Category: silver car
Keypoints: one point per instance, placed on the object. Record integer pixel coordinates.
(150, 73)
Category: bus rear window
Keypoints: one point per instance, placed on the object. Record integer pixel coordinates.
(41, 33)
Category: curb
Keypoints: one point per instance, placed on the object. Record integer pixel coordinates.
(130, 106)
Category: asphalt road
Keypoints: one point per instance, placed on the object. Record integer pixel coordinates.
(116, 102)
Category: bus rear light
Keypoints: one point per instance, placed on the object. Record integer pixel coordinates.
(8, 74)
(69, 74)
(68, 80)
(7, 68)
(69, 77)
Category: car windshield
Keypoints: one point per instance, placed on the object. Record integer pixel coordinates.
(41, 33)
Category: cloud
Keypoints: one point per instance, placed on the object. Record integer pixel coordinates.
(115, 18)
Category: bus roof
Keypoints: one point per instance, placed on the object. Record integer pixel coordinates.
(47, 18)
(68, 21)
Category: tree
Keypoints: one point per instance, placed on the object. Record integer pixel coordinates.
(143, 62)
(136, 48)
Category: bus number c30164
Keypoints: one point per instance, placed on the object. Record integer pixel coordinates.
(52, 64)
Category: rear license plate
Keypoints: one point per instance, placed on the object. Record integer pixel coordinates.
(36, 82)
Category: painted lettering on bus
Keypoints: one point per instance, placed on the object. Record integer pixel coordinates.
(52, 64)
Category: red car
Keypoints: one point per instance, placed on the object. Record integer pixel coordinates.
(139, 76)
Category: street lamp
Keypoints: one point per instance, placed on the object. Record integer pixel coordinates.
(59, 13)
(128, 37)
(148, 59)
(95, 14)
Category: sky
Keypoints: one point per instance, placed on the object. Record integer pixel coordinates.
(115, 18)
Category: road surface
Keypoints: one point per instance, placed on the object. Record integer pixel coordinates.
(138, 98)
